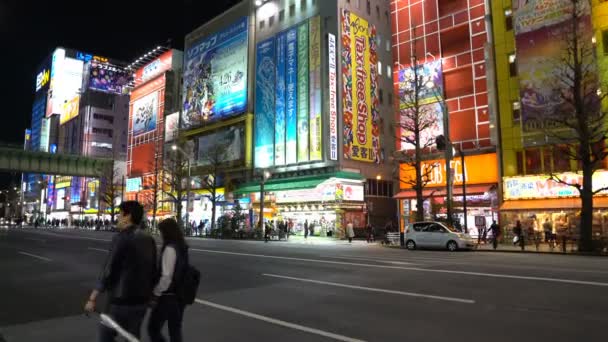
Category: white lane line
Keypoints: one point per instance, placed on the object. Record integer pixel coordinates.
(371, 259)
(372, 289)
(35, 256)
(34, 239)
(279, 322)
(478, 274)
(98, 249)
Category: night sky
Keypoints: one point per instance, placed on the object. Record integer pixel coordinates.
(123, 30)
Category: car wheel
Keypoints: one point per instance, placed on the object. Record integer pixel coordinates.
(452, 246)
(410, 244)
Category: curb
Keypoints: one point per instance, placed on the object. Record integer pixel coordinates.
(597, 254)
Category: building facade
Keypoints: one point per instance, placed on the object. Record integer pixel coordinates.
(526, 49)
(450, 43)
(267, 80)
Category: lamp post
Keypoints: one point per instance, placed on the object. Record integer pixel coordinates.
(265, 176)
(174, 147)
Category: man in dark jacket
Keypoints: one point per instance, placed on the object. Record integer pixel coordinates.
(129, 274)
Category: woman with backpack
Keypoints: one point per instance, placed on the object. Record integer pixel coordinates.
(167, 305)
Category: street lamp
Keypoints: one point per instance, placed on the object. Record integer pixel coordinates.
(265, 175)
(176, 148)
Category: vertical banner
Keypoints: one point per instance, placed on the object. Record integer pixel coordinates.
(264, 104)
(291, 96)
(333, 99)
(359, 94)
(303, 147)
(315, 127)
(279, 123)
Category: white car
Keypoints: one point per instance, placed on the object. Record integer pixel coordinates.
(436, 235)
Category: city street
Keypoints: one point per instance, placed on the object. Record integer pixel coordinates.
(256, 291)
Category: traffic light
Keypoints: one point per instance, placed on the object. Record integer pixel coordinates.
(441, 142)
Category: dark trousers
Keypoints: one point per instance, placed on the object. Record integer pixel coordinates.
(167, 310)
(129, 317)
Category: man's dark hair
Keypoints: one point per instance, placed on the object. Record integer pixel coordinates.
(134, 209)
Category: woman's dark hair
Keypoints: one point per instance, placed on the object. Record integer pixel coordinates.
(171, 233)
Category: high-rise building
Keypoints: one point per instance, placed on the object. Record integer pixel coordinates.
(80, 107)
(153, 119)
(448, 42)
(298, 96)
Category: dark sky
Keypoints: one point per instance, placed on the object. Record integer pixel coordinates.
(30, 29)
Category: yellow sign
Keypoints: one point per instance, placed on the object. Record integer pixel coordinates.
(361, 133)
(70, 110)
(478, 169)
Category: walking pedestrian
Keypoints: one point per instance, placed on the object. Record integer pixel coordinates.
(519, 236)
(350, 232)
(166, 305)
(548, 229)
(306, 229)
(495, 229)
(128, 275)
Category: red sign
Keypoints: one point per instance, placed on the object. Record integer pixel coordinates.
(156, 67)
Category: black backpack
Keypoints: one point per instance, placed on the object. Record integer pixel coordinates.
(188, 287)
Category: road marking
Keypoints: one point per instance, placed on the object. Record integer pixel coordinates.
(418, 269)
(34, 239)
(35, 256)
(372, 289)
(371, 259)
(279, 322)
(98, 249)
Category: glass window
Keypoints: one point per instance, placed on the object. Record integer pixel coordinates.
(512, 65)
(368, 6)
(292, 10)
(419, 226)
(390, 98)
(508, 19)
(516, 111)
(561, 161)
(270, 21)
(547, 153)
(432, 228)
(302, 5)
(605, 41)
(379, 68)
(519, 155)
(281, 15)
(533, 162)
(378, 12)
(389, 71)
(380, 96)
(261, 24)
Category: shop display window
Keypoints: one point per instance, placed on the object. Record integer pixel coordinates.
(533, 161)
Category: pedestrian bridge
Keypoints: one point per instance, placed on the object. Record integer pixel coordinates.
(13, 158)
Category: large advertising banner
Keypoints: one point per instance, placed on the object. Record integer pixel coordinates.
(265, 86)
(70, 110)
(430, 110)
(145, 113)
(292, 97)
(280, 98)
(333, 99)
(542, 186)
(66, 81)
(215, 76)
(108, 78)
(316, 137)
(231, 141)
(359, 93)
(540, 37)
(303, 89)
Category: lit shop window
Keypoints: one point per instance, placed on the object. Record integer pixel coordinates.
(512, 65)
(516, 110)
(509, 19)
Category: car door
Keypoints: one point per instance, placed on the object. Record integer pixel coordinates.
(433, 235)
(417, 232)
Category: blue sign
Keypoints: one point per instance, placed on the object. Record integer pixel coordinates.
(292, 97)
(53, 148)
(215, 76)
(85, 57)
(265, 84)
(279, 125)
(133, 184)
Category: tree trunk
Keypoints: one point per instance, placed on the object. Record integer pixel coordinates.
(419, 196)
(585, 230)
(213, 200)
(180, 221)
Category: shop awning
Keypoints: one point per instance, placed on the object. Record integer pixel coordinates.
(441, 192)
(296, 183)
(551, 203)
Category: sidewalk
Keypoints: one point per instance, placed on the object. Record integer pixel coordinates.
(296, 240)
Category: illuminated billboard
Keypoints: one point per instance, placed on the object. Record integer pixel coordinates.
(171, 126)
(333, 98)
(159, 65)
(360, 89)
(133, 184)
(66, 81)
(145, 113)
(288, 118)
(69, 110)
(108, 78)
(215, 76)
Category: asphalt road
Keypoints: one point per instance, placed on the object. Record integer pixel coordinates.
(254, 291)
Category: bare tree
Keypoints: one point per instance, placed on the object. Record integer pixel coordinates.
(214, 163)
(577, 123)
(420, 108)
(174, 178)
(111, 189)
